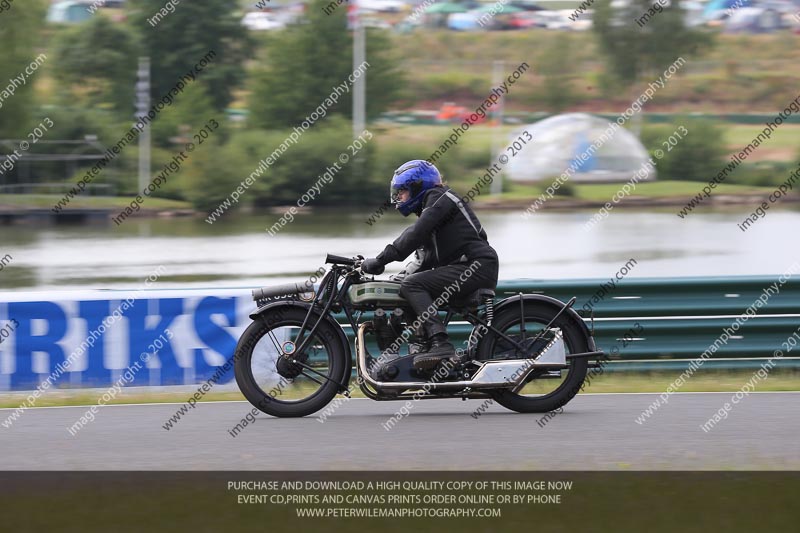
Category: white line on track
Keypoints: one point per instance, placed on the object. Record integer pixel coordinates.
(245, 401)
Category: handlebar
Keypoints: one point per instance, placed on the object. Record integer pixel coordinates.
(340, 260)
(297, 288)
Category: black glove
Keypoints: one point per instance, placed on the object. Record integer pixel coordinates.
(372, 266)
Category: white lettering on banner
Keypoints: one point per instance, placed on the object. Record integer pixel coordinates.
(106, 336)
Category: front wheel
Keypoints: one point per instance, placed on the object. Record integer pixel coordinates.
(293, 386)
(542, 391)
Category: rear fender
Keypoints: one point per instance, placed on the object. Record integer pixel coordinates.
(555, 305)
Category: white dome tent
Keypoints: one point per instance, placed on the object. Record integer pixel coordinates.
(596, 149)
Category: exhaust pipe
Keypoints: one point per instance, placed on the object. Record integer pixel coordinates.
(509, 373)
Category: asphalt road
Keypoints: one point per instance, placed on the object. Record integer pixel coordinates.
(595, 432)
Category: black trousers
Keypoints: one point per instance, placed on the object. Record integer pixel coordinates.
(447, 282)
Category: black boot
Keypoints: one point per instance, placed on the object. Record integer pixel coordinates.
(441, 349)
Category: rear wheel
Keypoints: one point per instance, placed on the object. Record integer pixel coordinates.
(542, 391)
(279, 385)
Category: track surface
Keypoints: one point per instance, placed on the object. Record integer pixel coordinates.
(595, 432)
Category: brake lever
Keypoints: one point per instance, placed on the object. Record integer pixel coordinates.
(359, 260)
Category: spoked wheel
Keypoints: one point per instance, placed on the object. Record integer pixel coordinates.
(277, 379)
(543, 391)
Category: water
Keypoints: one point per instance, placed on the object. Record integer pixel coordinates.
(237, 252)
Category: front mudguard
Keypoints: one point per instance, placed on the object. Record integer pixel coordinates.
(260, 314)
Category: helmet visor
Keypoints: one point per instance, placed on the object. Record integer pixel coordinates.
(394, 193)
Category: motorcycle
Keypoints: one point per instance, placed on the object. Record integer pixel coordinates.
(527, 352)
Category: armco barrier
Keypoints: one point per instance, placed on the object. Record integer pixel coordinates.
(681, 317)
(678, 317)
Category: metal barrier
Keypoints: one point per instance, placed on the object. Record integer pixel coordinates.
(92, 338)
(682, 317)
(677, 318)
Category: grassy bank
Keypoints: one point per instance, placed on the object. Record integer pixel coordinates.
(603, 192)
(47, 201)
(654, 382)
(742, 73)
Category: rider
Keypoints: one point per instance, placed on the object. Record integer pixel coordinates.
(448, 238)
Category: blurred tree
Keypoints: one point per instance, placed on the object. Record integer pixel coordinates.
(182, 38)
(19, 36)
(635, 46)
(314, 57)
(557, 92)
(76, 123)
(189, 112)
(210, 175)
(95, 63)
(318, 153)
(697, 156)
(640, 42)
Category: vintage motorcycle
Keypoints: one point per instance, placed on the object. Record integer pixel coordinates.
(527, 352)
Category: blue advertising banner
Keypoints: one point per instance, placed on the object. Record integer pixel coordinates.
(89, 339)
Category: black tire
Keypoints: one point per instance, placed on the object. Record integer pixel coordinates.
(269, 402)
(539, 314)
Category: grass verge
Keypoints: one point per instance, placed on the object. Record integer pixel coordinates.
(655, 382)
(96, 202)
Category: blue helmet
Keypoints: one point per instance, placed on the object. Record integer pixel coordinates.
(418, 176)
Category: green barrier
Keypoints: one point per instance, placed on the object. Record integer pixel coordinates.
(648, 320)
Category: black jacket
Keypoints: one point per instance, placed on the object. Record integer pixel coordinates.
(443, 231)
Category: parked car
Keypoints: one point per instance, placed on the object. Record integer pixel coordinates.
(409, 24)
(374, 22)
(451, 112)
(68, 12)
(718, 12)
(527, 5)
(693, 13)
(525, 20)
(382, 6)
(259, 21)
(755, 20)
(465, 21)
(559, 20)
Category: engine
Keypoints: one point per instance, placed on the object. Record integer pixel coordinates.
(388, 329)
